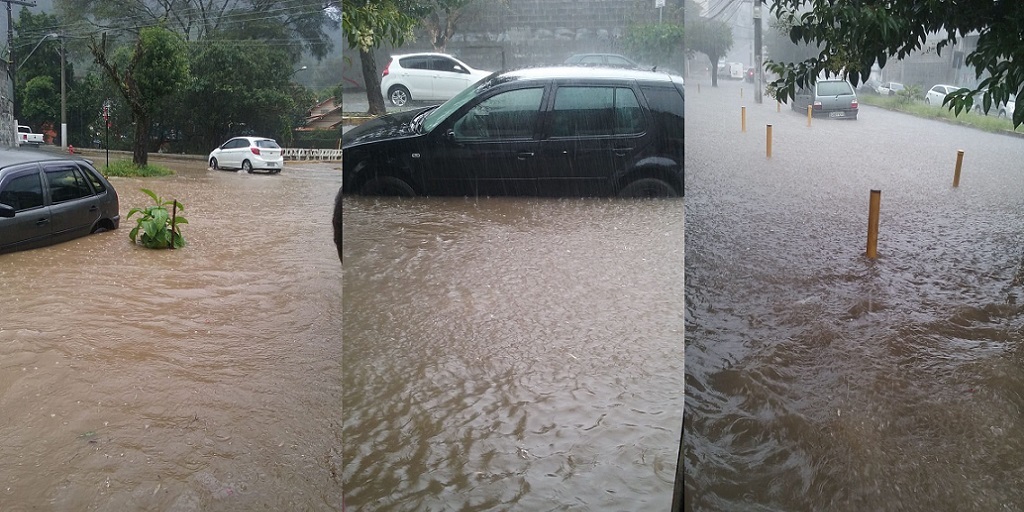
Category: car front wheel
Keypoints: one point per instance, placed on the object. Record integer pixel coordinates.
(398, 95)
(648, 188)
(387, 186)
(213, 164)
(247, 166)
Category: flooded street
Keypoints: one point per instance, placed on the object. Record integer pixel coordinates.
(206, 378)
(512, 353)
(817, 379)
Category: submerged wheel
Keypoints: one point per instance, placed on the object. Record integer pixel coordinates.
(247, 166)
(213, 164)
(387, 186)
(648, 188)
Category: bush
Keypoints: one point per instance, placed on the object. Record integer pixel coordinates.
(315, 139)
(158, 227)
(126, 169)
(909, 94)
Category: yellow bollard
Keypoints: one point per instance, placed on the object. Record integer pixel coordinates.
(743, 119)
(768, 143)
(959, 162)
(876, 201)
(808, 115)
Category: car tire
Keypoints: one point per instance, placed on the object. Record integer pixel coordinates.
(1002, 114)
(927, 101)
(213, 164)
(247, 166)
(648, 188)
(387, 186)
(399, 96)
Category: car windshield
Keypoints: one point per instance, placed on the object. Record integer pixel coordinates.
(267, 144)
(434, 117)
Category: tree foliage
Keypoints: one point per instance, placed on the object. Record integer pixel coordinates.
(710, 37)
(33, 31)
(654, 43)
(369, 23)
(155, 67)
(854, 35)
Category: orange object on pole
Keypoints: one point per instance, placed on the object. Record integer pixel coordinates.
(743, 119)
(959, 163)
(71, 149)
(768, 143)
(873, 207)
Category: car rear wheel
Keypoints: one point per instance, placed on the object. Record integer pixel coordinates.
(247, 166)
(213, 164)
(399, 96)
(387, 186)
(648, 188)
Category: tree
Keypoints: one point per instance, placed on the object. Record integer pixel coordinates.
(854, 35)
(710, 37)
(156, 67)
(442, 18)
(654, 43)
(34, 31)
(366, 25)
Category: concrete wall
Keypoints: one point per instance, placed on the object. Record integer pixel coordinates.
(527, 33)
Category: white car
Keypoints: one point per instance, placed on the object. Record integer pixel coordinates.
(248, 154)
(937, 93)
(426, 77)
(1001, 109)
(889, 88)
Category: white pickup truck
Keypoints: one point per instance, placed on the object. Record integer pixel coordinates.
(25, 136)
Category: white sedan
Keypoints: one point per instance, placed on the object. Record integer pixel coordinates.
(248, 154)
(426, 77)
(938, 93)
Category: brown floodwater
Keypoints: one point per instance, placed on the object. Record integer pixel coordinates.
(207, 378)
(512, 353)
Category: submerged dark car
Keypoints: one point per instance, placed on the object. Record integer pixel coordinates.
(561, 131)
(46, 199)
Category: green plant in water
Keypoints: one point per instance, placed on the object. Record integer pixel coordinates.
(157, 228)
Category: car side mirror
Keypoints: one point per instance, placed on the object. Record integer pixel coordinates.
(6, 211)
(458, 68)
(449, 136)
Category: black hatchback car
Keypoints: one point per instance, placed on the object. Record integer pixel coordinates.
(562, 131)
(47, 199)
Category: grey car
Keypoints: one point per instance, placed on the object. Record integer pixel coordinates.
(833, 97)
(47, 199)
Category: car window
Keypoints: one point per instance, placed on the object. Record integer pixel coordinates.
(590, 111)
(23, 192)
(91, 175)
(592, 59)
(414, 63)
(446, 64)
(667, 108)
(506, 115)
(66, 183)
(267, 144)
(834, 89)
(618, 61)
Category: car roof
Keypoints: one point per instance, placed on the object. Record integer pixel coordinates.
(422, 54)
(16, 156)
(587, 72)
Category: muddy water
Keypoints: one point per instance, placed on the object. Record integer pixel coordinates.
(512, 354)
(817, 379)
(201, 379)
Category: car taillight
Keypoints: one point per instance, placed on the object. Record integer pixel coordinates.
(817, 105)
(853, 104)
(255, 151)
(385, 72)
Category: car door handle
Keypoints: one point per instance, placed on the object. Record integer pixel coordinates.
(93, 208)
(42, 222)
(621, 151)
(523, 155)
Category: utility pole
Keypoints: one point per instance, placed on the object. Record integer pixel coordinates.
(63, 95)
(758, 58)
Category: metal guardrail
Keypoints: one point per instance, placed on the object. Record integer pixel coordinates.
(311, 154)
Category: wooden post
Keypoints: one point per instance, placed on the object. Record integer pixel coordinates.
(808, 115)
(959, 163)
(873, 207)
(743, 119)
(768, 143)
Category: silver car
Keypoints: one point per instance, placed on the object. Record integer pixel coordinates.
(47, 199)
(833, 97)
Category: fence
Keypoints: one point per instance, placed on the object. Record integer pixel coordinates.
(311, 154)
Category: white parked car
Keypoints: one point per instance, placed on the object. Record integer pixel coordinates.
(426, 77)
(937, 93)
(1001, 109)
(889, 88)
(248, 154)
